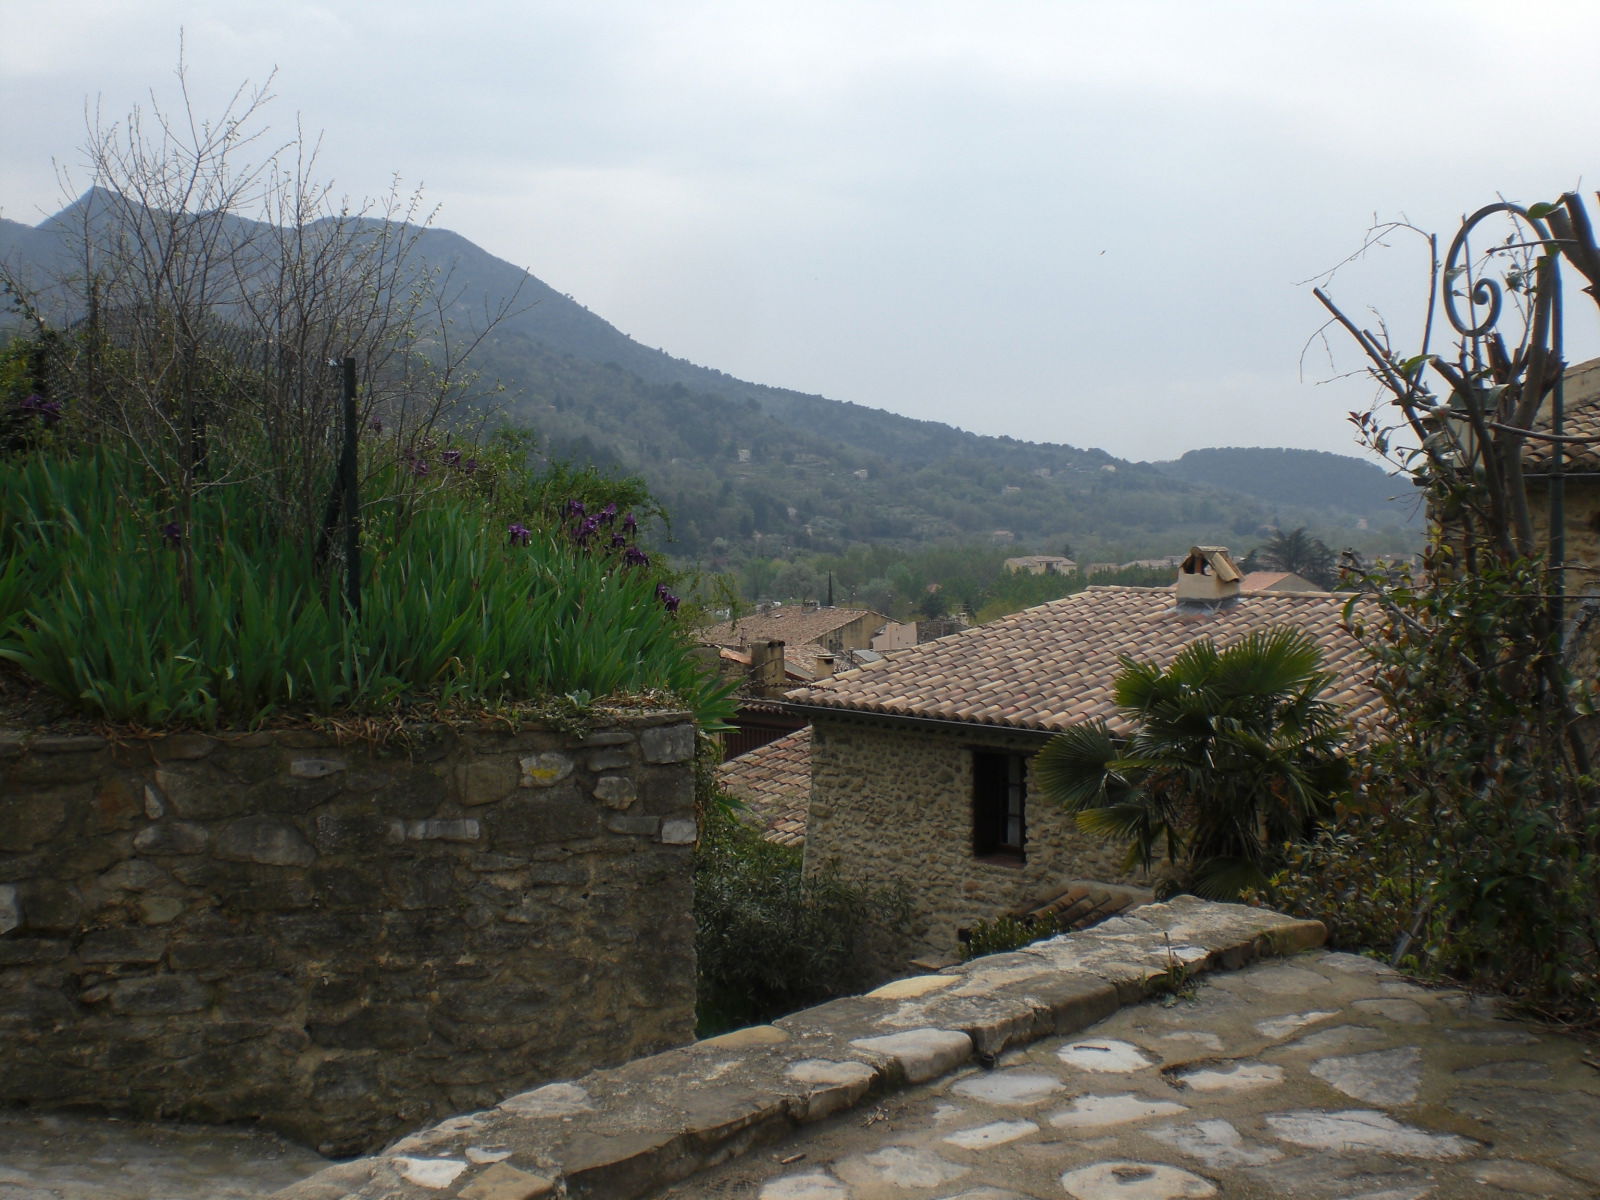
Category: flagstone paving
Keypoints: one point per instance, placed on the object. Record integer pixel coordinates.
(75, 1156)
(1325, 1076)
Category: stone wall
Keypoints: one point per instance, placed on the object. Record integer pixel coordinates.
(894, 804)
(340, 940)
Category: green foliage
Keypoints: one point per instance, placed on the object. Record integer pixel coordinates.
(1299, 553)
(769, 938)
(97, 604)
(1234, 753)
(1476, 850)
(1007, 933)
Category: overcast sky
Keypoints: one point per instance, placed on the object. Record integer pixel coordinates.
(1082, 222)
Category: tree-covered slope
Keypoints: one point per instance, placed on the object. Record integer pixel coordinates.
(748, 470)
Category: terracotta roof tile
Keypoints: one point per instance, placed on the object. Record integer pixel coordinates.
(1049, 667)
(795, 626)
(1580, 418)
(775, 781)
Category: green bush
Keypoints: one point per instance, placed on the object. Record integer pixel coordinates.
(1473, 847)
(769, 938)
(1007, 933)
(110, 600)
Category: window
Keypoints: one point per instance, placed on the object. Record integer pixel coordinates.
(999, 792)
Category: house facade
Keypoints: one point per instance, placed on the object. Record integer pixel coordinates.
(921, 765)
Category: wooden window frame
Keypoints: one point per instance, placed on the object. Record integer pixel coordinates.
(999, 806)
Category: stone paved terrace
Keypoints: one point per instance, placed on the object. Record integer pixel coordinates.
(1325, 1075)
(1051, 1072)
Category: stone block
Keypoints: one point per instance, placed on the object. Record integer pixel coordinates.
(223, 955)
(487, 780)
(615, 791)
(430, 883)
(381, 1027)
(198, 792)
(437, 830)
(182, 747)
(502, 1181)
(10, 909)
(49, 907)
(352, 885)
(309, 767)
(667, 744)
(609, 760)
(269, 890)
(342, 833)
(473, 1002)
(249, 997)
(117, 804)
(134, 875)
(29, 820)
(542, 817)
(172, 837)
(679, 832)
(159, 995)
(630, 825)
(122, 946)
(264, 840)
(545, 770)
(401, 791)
(920, 1054)
(290, 796)
(159, 910)
(30, 951)
(667, 793)
(608, 737)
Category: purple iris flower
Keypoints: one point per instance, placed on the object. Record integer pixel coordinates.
(521, 535)
(575, 508)
(451, 457)
(470, 465)
(635, 557)
(629, 525)
(50, 410)
(173, 532)
(608, 514)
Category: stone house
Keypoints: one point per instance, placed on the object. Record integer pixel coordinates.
(920, 764)
(836, 631)
(774, 649)
(1041, 564)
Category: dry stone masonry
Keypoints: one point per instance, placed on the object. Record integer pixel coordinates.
(340, 940)
(898, 807)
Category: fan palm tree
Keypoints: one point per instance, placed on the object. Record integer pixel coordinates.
(1233, 753)
(1302, 554)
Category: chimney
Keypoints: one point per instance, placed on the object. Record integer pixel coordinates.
(1208, 577)
(766, 667)
(824, 665)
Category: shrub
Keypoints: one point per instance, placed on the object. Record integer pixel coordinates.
(457, 610)
(771, 939)
(1006, 933)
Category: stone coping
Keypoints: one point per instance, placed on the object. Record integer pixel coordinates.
(626, 1131)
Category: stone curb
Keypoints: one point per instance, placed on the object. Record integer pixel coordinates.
(626, 1131)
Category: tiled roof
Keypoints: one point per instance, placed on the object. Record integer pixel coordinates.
(1580, 410)
(1052, 666)
(775, 781)
(1282, 581)
(795, 626)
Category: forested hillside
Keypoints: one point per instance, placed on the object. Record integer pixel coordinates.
(746, 471)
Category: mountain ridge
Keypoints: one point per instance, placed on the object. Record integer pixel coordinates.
(747, 468)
